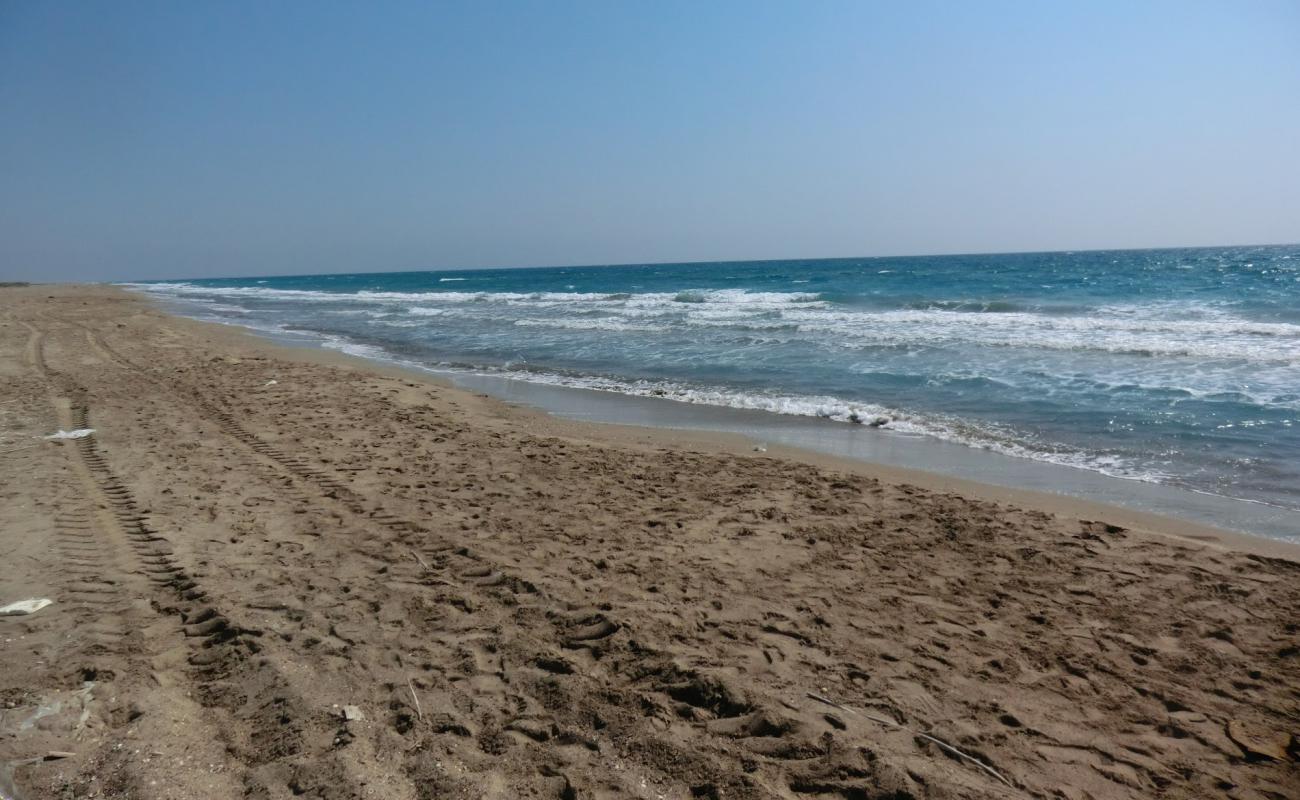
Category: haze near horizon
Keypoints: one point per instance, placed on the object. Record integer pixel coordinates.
(153, 140)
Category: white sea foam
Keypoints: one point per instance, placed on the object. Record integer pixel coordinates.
(346, 345)
(1153, 330)
(946, 428)
(1207, 338)
(225, 308)
(718, 296)
(236, 292)
(598, 324)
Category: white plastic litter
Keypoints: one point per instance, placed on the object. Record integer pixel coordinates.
(79, 433)
(25, 607)
(270, 383)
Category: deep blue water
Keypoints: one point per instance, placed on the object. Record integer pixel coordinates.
(1175, 366)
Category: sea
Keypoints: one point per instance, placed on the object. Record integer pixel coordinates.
(1176, 367)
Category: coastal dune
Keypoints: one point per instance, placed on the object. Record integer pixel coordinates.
(282, 573)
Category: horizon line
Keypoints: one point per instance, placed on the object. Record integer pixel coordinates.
(608, 265)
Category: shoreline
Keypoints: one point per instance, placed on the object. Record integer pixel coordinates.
(278, 571)
(1174, 406)
(743, 444)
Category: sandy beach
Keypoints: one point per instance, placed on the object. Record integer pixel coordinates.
(282, 572)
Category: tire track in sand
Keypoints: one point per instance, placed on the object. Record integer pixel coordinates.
(221, 652)
(95, 580)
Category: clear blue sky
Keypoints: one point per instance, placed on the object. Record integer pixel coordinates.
(173, 139)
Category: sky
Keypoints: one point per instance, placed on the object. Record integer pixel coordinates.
(167, 140)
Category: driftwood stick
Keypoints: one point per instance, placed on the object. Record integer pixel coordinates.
(977, 762)
(929, 738)
(872, 717)
(410, 684)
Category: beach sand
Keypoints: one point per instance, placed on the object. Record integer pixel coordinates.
(281, 572)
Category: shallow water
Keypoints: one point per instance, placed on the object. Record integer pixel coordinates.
(1172, 367)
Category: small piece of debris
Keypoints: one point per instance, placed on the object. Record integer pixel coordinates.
(352, 714)
(25, 607)
(79, 433)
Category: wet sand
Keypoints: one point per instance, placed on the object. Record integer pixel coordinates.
(281, 572)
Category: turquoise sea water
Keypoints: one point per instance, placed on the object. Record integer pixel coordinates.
(1173, 366)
